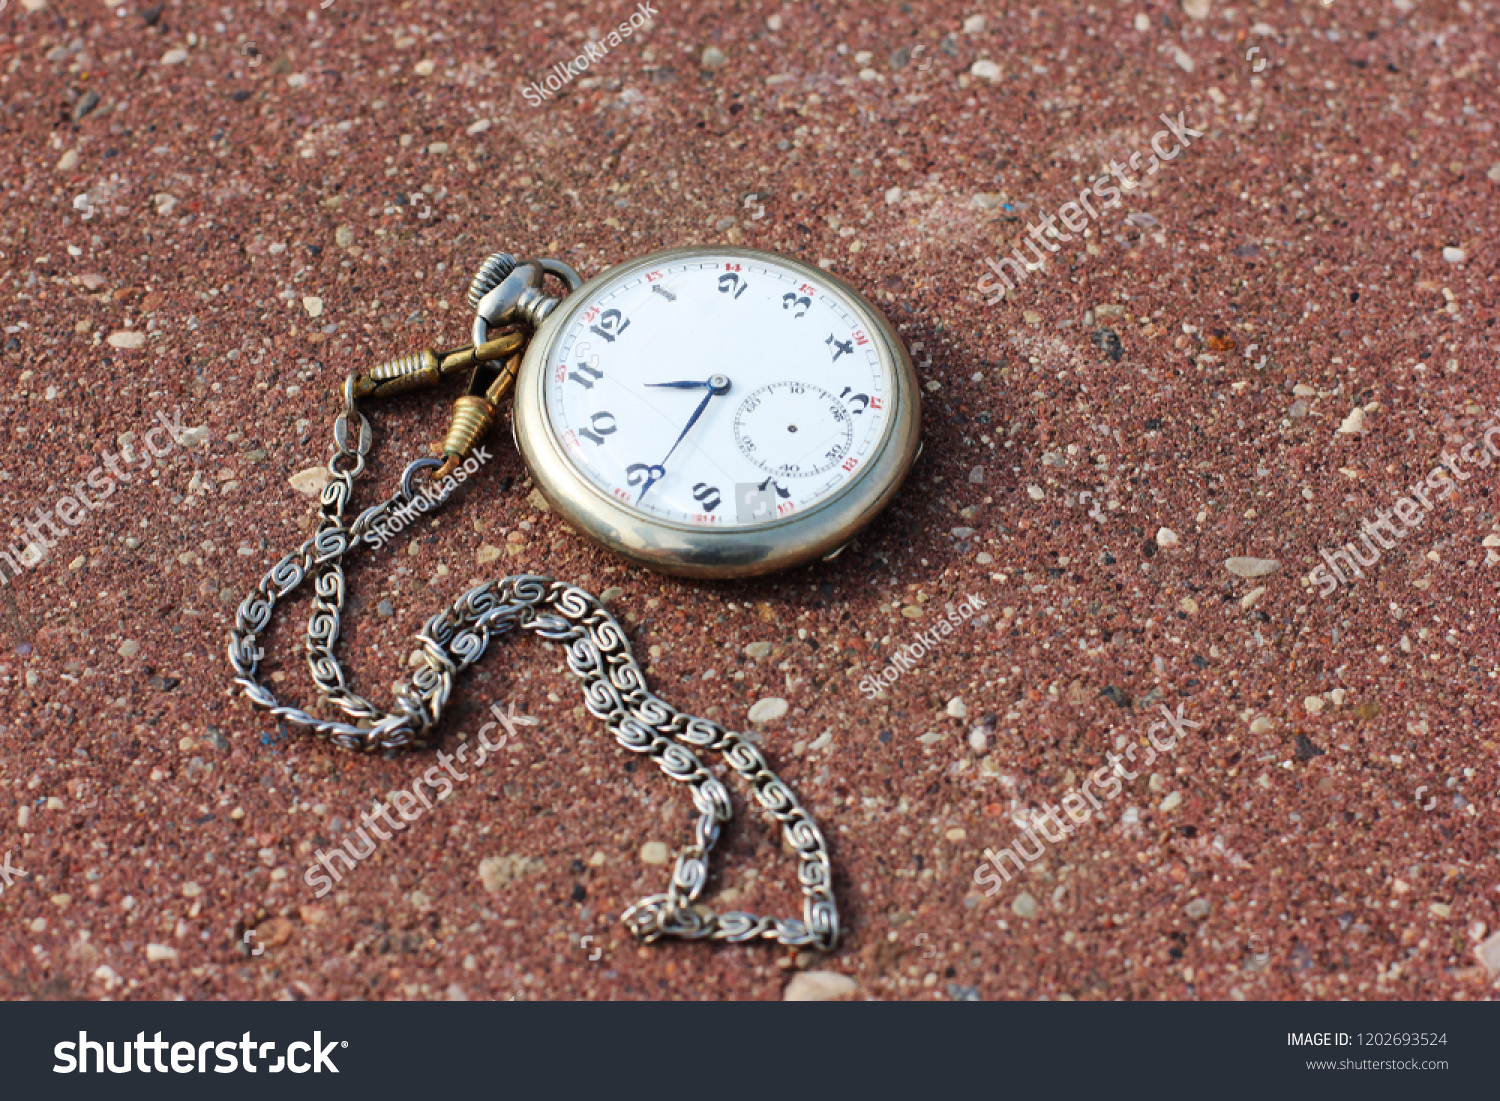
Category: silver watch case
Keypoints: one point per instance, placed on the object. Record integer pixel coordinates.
(688, 550)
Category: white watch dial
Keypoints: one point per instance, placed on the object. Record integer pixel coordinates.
(720, 392)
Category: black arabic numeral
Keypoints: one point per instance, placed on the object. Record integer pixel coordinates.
(603, 424)
(792, 299)
(586, 383)
(610, 325)
(707, 496)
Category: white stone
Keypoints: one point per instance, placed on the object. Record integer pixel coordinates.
(1172, 802)
(768, 710)
(1251, 567)
(893, 196)
(1354, 423)
(174, 57)
(1183, 59)
(1024, 906)
(758, 650)
(655, 852)
(310, 482)
(956, 709)
(985, 69)
(818, 986)
(1197, 9)
(425, 68)
(68, 160)
(159, 952)
(974, 24)
(1488, 955)
(129, 649)
(1313, 704)
(313, 305)
(1455, 255)
(1166, 537)
(1142, 21)
(127, 338)
(499, 872)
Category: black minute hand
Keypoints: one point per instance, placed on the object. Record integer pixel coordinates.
(718, 384)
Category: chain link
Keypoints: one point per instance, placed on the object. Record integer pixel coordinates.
(614, 689)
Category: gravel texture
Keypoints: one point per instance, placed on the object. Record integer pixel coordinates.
(1260, 347)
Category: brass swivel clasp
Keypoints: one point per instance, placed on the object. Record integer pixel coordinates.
(504, 294)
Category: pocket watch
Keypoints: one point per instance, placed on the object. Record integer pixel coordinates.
(708, 412)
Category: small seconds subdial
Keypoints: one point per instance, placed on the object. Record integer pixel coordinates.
(793, 430)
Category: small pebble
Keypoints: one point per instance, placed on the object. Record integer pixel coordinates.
(768, 710)
(1024, 906)
(985, 69)
(174, 57)
(129, 649)
(1354, 423)
(976, 476)
(160, 952)
(1166, 537)
(956, 709)
(1198, 909)
(713, 57)
(655, 852)
(90, 100)
(1455, 255)
(309, 482)
(758, 650)
(1251, 567)
(818, 986)
(126, 338)
(1488, 955)
(385, 608)
(1197, 9)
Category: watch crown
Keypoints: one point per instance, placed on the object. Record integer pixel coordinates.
(489, 276)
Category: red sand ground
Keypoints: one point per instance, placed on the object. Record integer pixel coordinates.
(242, 160)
